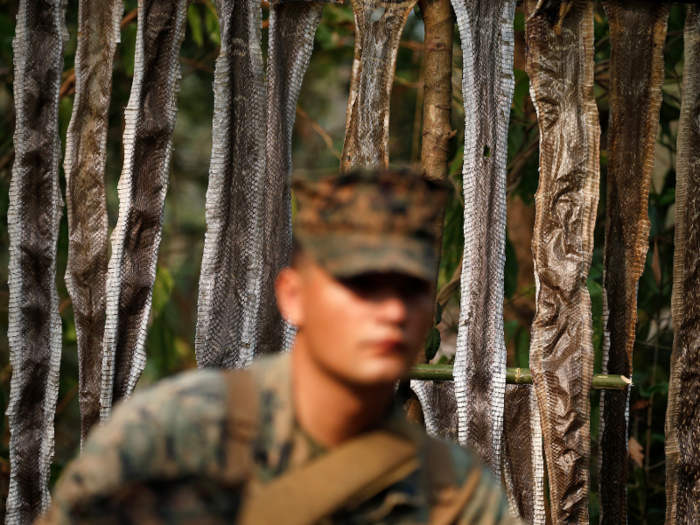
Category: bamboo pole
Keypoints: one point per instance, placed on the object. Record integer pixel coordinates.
(515, 376)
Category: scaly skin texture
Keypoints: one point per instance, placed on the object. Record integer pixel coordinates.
(376, 45)
(488, 45)
(522, 462)
(560, 64)
(84, 165)
(229, 282)
(34, 324)
(637, 36)
(682, 419)
(248, 201)
(150, 119)
(292, 29)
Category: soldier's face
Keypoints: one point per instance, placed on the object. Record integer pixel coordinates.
(364, 330)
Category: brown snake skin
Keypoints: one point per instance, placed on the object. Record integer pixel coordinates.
(34, 324)
(376, 46)
(150, 119)
(84, 165)
(522, 462)
(560, 64)
(682, 421)
(637, 35)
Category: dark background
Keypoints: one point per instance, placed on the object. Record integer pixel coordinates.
(318, 140)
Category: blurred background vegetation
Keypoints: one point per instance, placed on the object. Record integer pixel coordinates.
(318, 140)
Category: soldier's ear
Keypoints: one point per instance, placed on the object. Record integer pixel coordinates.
(289, 293)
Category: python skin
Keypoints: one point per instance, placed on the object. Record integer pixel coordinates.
(84, 165)
(637, 36)
(378, 28)
(488, 46)
(34, 324)
(682, 424)
(292, 29)
(248, 201)
(150, 119)
(522, 461)
(560, 65)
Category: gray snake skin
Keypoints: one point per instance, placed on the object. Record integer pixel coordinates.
(637, 36)
(150, 119)
(34, 327)
(248, 201)
(488, 45)
(682, 424)
(84, 165)
(376, 46)
(522, 462)
(292, 29)
(560, 42)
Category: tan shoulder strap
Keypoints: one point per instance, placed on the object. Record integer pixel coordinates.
(350, 474)
(242, 424)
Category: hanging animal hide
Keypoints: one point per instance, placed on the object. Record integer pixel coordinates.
(292, 29)
(86, 144)
(34, 327)
(229, 286)
(488, 45)
(682, 423)
(522, 461)
(439, 406)
(637, 36)
(150, 119)
(378, 28)
(248, 201)
(560, 64)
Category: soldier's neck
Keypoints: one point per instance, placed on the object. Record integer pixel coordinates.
(330, 410)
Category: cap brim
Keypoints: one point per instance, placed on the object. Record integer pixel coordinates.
(349, 255)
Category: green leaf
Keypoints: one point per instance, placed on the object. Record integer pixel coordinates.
(661, 388)
(596, 292)
(212, 26)
(438, 314)
(195, 21)
(162, 289)
(511, 270)
(510, 328)
(128, 50)
(522, 348)
(432, 344)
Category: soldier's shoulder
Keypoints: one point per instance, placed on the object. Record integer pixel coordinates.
(198, 393)
(184, 408)
(489, 503)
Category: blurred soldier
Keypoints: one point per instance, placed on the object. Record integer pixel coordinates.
(311, 436)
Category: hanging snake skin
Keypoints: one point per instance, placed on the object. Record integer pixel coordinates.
(522, 462)
(439, 405)
(560, 64)
(682, 425)
(637, 35)
(376, 46)
(248, 201)
(292, 29)
(488, 45)
(150, 119)
(86, 144)
(34, 327)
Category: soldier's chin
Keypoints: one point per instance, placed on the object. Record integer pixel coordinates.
(381, 370)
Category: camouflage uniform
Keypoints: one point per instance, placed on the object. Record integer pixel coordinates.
(165, 456)
(161, 459)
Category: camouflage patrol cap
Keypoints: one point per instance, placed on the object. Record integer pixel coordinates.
(369, 221)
